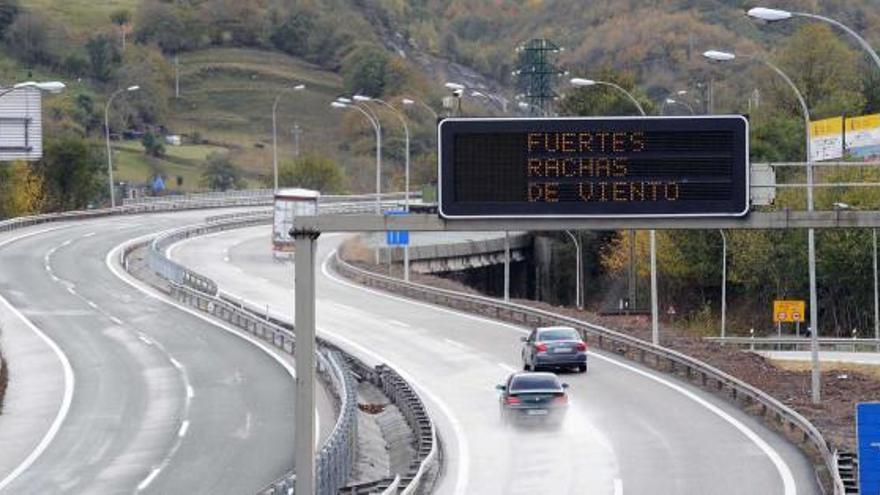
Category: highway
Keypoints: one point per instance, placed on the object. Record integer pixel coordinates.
(112, 391)
(629, 430)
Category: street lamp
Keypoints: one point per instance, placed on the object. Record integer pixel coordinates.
(583, 83)
(776, 15)
(720, 56)
(107, 138)
(413, 101)
(298, 87)
(341, 103)
(655, 322)
(672, 101)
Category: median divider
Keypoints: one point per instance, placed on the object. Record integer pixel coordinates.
(776, 414)
(336, 367)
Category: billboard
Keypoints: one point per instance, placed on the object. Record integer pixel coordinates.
(593, 167)
(21, 130)
(826, 139)
(863, 137)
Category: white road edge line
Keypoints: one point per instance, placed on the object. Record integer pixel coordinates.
(790, 488)
(183, 428)
(139, 286)
(507, 367)
(618, 486)
(69, 380)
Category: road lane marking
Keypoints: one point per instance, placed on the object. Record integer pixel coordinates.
(507, 367)
(183, 428)
(143, 338)
(618, 486)
(189, 392)
(457, 344)
(69, 380)
(116, 320)
(90, 234)
(782, 468)
(71, 290)
(93, 305)
(149, 479)
(399, 323)
(176, 363)
(66, 243)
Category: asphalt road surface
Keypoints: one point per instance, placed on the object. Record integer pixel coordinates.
(628, 430)
(112, 391)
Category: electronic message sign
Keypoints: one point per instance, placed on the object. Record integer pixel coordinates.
(594, 167)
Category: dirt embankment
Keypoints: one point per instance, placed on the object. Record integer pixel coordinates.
(842, 386)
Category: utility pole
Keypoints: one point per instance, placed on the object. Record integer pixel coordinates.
(297, 132)
(537, 73)
(176, 75)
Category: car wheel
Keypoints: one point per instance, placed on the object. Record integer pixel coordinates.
(582, 368)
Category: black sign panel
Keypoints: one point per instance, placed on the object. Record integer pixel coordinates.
(602, 167)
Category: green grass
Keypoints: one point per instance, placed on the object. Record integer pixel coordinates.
(82, 16)
(132, 165)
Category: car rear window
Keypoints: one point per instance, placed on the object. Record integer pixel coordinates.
(558, 334)
(533, 382)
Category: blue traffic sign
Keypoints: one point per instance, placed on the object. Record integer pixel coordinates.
(397, 237)
(868, 435)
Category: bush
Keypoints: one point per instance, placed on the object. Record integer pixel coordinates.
(221, 174)
(316, 172)
(364, 70)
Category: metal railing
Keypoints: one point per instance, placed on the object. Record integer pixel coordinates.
(788, 421)
(337, 454)
(841, 344)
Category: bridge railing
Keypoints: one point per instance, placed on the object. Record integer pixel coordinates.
(338, 453)
(840, 344)
(785, 419)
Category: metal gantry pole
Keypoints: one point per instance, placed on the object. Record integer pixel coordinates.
(723, 283)
(655, 324)
(577, 292)
(876, 292)
(304, 356)
(506, 266)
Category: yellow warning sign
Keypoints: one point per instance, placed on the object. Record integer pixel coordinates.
(788, 311)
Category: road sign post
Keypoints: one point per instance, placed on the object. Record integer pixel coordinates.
(868, 438)
(399, 238)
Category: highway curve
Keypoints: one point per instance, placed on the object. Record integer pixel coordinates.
(629, 430)
(156, 400)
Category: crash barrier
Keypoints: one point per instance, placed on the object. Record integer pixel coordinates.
(366, 203)
(785, 419)
(837, 344)
(338, 453)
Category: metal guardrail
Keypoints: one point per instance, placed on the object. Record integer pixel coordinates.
(800, 343)
(337, 455)
(750, 398)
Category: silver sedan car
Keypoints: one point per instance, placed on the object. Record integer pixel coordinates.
(554, 347)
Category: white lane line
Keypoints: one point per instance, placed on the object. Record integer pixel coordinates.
(455, 343)
(93, 305)
(618, 486)
(780, 465)
(71, 290)
(189, 392)
(788, 483)
(116, 320)
(226, 259)
(176, 363)
(90, 234)
(146, 340)
(507, 367)
(66, 243)
(463, 453)
(183, 427)
(398, 323)
(149, 479)
(55, 279)
(69, 381)
(47, 267)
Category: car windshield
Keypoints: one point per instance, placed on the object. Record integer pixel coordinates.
(525, 383)
(558, 334)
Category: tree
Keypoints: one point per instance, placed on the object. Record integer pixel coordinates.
(72, 170)
(103, 56)
(9, 9)
(121, 18)
(21, 190)
(153, 145)
(34, 38)
(364, 70)
(221, 174)
(312, 172)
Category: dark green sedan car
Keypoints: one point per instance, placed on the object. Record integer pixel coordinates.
(533, 397)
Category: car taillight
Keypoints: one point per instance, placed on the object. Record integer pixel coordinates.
(512, 400)
(541, 347)
(581, 346)
(561, 399)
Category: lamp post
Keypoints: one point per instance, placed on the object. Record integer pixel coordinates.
(357, 101)
(584, 83)
(776, 15)
(672, 101)
(400, 117)
(577, 289)
(720, 56)
(107, 138)
(298, 87)
(412, 101)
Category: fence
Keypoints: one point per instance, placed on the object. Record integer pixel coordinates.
(777, 414)
(337, 455)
